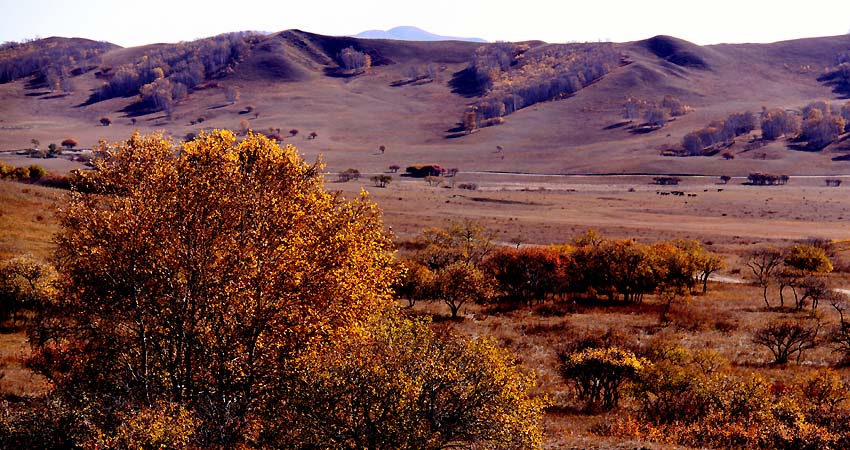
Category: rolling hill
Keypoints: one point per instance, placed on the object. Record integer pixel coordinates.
(408, 100)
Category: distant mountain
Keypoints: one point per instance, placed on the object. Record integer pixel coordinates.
(411, 34)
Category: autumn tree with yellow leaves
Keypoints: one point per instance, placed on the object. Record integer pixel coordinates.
(201, 282)
(190, 273)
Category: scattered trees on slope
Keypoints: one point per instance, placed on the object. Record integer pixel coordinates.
(165, 74)
(54, 60)
(719, 133)
(654, 114)
(777, 122)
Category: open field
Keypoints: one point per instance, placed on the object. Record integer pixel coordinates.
(547, 210)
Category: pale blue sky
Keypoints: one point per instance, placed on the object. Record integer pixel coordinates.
(130, 23)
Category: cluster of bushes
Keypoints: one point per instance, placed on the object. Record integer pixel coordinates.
(693, 398)
(53, 61)
(424, 170)
(29, 173)
(767, 179)
(348, 175)
(513, 76)
(591, 266)
(165, 74)
(719, 133)
(654, 114)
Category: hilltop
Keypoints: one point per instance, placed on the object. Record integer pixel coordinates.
(412, 97)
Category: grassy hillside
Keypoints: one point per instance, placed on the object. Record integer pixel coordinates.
(407, 102)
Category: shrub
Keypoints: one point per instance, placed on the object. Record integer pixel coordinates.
(405, 385)
(382, 180)
(468, 186)
(105, 121)
(433, 180)
(348, 175)
(35, 172)
(679, 386)
(394, 168)
(667, 181)
(599, 373)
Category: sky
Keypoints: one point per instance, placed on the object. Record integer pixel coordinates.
(132, 23)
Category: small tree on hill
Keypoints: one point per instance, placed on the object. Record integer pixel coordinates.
(105, 121)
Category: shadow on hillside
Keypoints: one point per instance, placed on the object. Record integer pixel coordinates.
(465, 83)
(137, 109)
(643, 129)
(839, 84)
(614, 126)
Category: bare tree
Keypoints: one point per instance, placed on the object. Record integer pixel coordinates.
(764, 263)
(785, 338)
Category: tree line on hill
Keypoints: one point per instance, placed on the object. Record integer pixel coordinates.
(51, 61)
(510, 76)
(164, 75)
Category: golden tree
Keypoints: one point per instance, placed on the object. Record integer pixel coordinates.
(191, 274)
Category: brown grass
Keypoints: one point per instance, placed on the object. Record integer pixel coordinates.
(27, 220)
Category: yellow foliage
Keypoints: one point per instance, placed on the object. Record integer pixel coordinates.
(192, 273)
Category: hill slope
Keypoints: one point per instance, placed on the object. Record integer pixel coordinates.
(295, 80)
